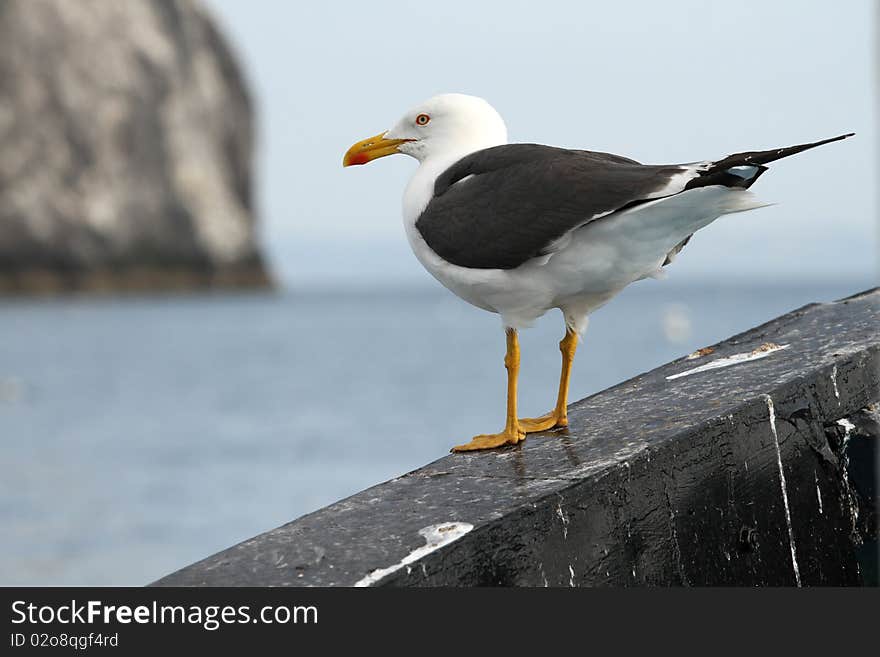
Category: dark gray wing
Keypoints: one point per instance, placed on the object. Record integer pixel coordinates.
(500, 207)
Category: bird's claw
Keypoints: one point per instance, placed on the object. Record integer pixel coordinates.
(492, 440)
(545, 422)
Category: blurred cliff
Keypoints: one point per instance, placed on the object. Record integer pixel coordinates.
(126, 158)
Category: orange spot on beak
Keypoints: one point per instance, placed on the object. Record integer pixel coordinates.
(371, 148)
(355, 158)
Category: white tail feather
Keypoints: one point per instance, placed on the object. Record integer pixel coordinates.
(741, 200)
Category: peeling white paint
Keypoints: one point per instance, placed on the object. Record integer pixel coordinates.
(818, 491)
(846, 424)
(436, 536)
(847, 428)
(571, 576)
(794, 563)
(834, 383)
(756, 354)
(561, 515)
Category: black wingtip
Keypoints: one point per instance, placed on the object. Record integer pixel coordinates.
(766, 157)
(828, 141)
(718, 173)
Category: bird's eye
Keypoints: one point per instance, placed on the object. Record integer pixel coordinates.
(422, 119)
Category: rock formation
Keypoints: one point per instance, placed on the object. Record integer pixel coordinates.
(126, 157)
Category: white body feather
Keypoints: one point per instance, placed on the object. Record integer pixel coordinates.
(599, 260)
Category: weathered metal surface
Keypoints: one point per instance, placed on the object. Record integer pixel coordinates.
(759, 473)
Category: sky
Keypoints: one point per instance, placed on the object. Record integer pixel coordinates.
(661, 82)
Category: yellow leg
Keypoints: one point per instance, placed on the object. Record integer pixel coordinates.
(558, 417)
(512, 433)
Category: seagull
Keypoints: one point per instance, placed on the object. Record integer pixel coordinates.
(519, 229)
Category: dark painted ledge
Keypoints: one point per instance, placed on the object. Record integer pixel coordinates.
(760, 473)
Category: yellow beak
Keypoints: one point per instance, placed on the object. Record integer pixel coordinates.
(371, 149)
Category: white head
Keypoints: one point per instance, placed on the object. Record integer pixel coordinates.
(447, 126)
